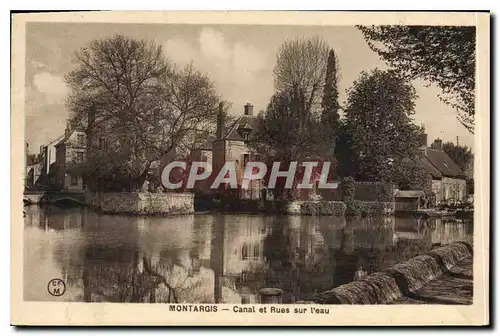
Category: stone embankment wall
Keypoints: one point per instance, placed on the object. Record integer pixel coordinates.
(321, 208)
(397, 281)
(139, 203)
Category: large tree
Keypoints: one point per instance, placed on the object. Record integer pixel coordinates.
(144, 107)
(444, 55)
(281, 137)
(300, 69)
(379, 127)
(330, 104)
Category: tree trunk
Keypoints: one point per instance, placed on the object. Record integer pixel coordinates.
(140, 180)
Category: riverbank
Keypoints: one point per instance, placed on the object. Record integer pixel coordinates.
(296, 207)
(162, 204)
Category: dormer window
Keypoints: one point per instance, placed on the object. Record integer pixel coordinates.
(244, 131)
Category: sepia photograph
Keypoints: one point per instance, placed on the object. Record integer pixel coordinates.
(252, 170)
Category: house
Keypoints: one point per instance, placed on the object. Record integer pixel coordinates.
(231, 145)
(33, 168)
(49, 154)
(33, 174)
(70, 153)
(48, 163)
(448, 180)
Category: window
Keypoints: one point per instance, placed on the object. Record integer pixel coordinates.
(246, 158)
(245, 136)
(244, 252)
(250, 251)
(81, 139)
(79, 156)
(74, 180)
(256, 251)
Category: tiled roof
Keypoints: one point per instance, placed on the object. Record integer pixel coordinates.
(244, 121)
(57, 140)
(429, 167)
(444, 163)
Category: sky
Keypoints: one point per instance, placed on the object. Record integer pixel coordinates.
(238, 58)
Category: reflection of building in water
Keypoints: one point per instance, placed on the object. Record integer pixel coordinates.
(237, 257)
(299, 255)
(55, 246)
(50, 217)
(450, 230)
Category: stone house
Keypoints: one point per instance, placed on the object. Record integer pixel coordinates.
(448, 180)
(70, 152)
(231, 145)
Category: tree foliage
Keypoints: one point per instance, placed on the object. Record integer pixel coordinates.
(291, 128)
(378, 126)
(285, 132)
(444, 55)
(460, 154)
(145, 107)
(410, 175)
(330, 101)
(300, 69)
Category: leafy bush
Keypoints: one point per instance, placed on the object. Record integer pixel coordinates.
(353, 208)
(323, 208)
(348, 186)
(364, 209)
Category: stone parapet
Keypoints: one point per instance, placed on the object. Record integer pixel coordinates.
(143, 204)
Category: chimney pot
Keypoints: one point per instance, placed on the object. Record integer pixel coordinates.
(220, 122)
(438, 144)
(248, 109)
(423, 140)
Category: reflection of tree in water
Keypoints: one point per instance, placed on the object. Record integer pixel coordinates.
(296, 263)
(280, 256)
(113, 275)
(127, 275)
(278, 249)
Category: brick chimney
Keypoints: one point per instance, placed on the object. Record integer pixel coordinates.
(438, 144)
(67, 131)
(423, 144)
(248, 109)
(220, 122)
(423, 140)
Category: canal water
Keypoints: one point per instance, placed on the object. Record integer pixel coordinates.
(207, 258)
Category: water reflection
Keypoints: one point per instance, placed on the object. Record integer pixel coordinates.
(214, 258)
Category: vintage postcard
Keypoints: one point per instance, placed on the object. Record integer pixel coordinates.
(250, 168)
